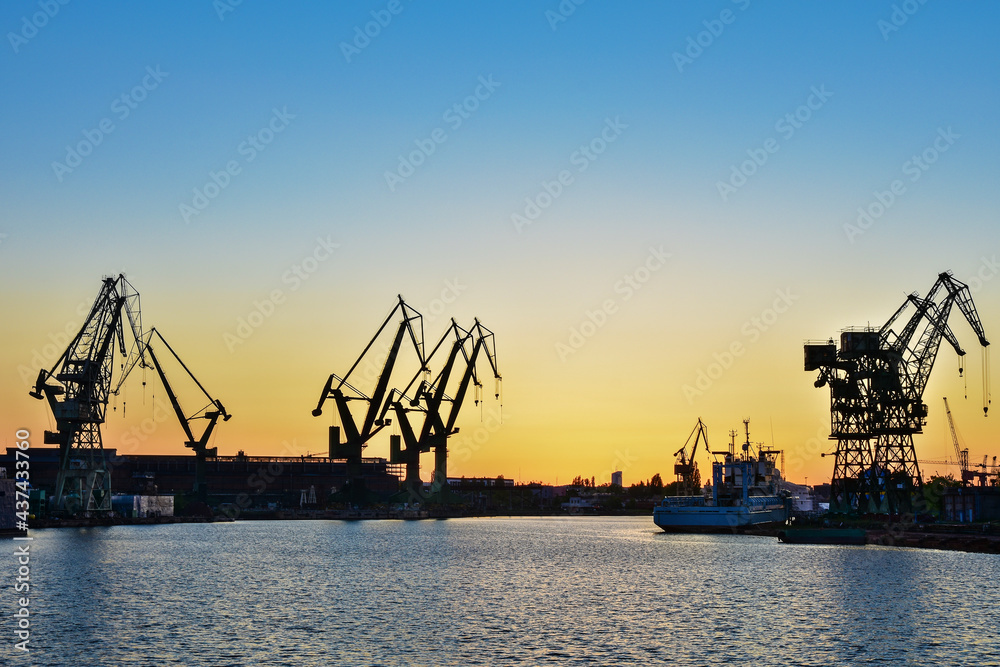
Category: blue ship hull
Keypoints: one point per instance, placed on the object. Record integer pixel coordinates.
(694, 514)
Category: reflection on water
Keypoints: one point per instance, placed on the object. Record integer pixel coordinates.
(581, 590)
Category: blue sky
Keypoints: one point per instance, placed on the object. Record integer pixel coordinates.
(345, 122)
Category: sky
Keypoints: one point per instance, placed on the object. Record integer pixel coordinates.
(652, 205)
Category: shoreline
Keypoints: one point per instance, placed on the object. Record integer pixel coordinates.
(944, 537)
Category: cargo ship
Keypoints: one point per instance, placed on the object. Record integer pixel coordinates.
(746, 491)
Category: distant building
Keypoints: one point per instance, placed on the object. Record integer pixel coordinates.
(578, 505)
(460, 483)
(8, 496)
(971, 503)
(802, 496)
(250, 481)
(821, 493)
(616, 478)
(139, 506)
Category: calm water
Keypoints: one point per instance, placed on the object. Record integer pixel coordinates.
(600, 591)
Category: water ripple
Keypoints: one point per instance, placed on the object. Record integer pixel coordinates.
(567, 591)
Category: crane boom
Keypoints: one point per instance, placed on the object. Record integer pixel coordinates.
(357, 433)
(357, 437)
(686, 470)
(961, 455)
(430, 398)
(877, 379)
(78, 397)
(199, 444)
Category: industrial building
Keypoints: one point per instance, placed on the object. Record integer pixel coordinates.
(970, 503)
(8, 496)
(82, 477)
(247, 481)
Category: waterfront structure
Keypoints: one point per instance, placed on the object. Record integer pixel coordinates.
(247, 481)
(746, 491)
(877, 380)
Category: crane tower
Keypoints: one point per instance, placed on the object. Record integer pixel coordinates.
(77, 388)
(877, 379)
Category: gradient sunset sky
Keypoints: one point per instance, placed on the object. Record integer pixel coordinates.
(624, 192)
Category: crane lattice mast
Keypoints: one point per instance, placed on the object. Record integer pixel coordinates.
(877, 379)
(77, 389)
(961, 455)
(685, 467)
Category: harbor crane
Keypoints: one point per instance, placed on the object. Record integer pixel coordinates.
(430, 398)
(211, 412)
(76, 389)
(983, 475)
(358, 433)
(961, 455)
(877, 379)
(413, 444)
(688, 477)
